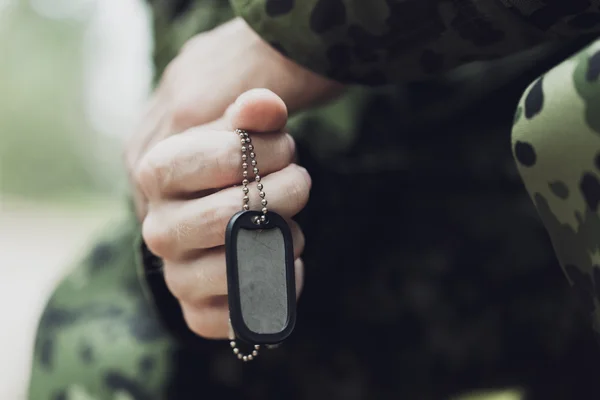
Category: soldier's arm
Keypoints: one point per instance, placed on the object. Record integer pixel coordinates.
(379, 41)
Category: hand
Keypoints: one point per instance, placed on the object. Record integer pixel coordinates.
(187, 180)
(210, 72)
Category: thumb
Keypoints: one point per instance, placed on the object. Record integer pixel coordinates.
(257, 110)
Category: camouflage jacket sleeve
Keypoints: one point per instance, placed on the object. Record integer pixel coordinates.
(382, 41)
(177, 21)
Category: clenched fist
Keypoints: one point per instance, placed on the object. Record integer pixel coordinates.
(185, 159)
(192, 185)
(210, 72)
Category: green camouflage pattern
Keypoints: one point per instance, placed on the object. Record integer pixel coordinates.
(175, 22)
(99, 338)
(556, 142)
(382, 41)
(451, 284)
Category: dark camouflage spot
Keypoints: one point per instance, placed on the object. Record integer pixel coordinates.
(176, 7)
(86, 353)
(431, 61)
(593, 70)
(525, 154)
(534, 102)
(597, 161)
(147, 365)
(144, 327)
(277, 46)
(62, 395)
(582, 284)
(410, 22)
(56, 317)
(339, 55)
(46, 352)
(132, 286)
(590, 187)
(327, 14)
(559, 189)
(101, 256)
(585, 21)
(407, 23)
(117, 382)
(417, 18)
(276, 8)
(473, 26)
(97, 311)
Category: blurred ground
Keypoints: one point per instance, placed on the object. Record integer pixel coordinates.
(38, 244)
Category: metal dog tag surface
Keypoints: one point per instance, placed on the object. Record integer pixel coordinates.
(260, 278)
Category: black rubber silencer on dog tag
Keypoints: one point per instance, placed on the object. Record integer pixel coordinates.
(260, 278)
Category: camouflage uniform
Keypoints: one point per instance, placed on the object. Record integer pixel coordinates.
(450, 283)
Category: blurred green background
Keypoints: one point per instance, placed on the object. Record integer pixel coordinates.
(73, 75)
(49, 147)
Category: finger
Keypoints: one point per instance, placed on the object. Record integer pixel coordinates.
(211, 319)
(199, 160)
(174, 228)
(299, 269)
(257, 110)
(196, 280)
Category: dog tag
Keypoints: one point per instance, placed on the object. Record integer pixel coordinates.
(260, 277)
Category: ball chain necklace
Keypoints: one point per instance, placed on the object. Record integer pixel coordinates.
(260, 269)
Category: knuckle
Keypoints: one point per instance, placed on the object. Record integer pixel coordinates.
(174, 283)
(156, 170)
(144, 176)
(184, 230)
(299, 240)
(215, 221)
(191, 44)
(228, 159)
(299, 274)
(157, 238)
(164, 161)
(184, 113)
(299, 188)
(287, 148)
(171, 72)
